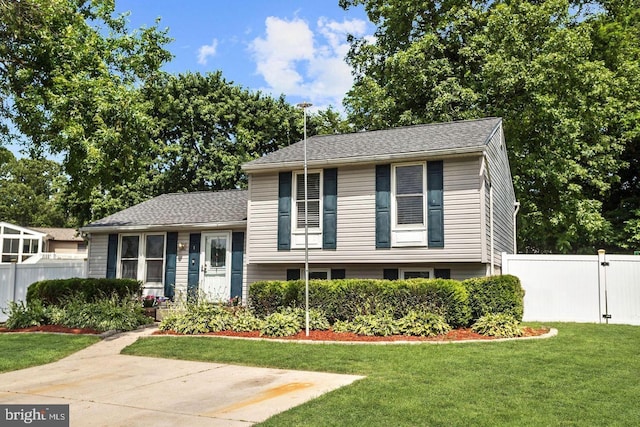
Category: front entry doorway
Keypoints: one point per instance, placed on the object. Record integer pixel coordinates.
(216, 265)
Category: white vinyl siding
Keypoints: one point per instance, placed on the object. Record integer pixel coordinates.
(356, 219)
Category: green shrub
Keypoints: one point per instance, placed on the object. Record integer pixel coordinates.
(380, 324)
(281, 324)
(498, 325)
(23, 315)
(197, 317)
(55, 292)
(317, 319)
(423, 323)
(103, 315)
(495, 294)
(244, 320)
(347, 298)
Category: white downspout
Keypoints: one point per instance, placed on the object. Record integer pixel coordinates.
(491, 220)
(516, 204)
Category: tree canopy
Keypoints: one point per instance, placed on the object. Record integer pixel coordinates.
(564, 75)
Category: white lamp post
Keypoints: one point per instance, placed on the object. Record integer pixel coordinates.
(304, 106)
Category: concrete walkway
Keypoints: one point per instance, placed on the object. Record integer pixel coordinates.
(105, 388)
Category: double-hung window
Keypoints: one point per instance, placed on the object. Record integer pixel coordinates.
(142, 257)
(314, 204)
(409, 204)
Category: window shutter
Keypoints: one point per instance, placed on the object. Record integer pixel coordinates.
(237, 258)
(383, 206)
(293, 274)
(193, 273)
(435, 204)
(442, 273)
(390, 274)
(330, 208)
(112, 256)
(338, 273)
(284, 211)
(170, 265)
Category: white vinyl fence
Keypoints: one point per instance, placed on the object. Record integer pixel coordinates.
(578, 288)
(16, 278)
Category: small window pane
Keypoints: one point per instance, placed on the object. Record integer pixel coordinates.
(313, 191)
(314, 214)
(410, 210)
(409, 179)
(130, 247)
(155, 246)
(322, 275)
(10, 246)
(8, 230)
(130, 269)
(30, 246)
(218, 252)
(416, 275)
(9, 258)
(154, 271)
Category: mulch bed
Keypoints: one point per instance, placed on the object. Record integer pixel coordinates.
(463, 334)
(454, 335)
(53, 329)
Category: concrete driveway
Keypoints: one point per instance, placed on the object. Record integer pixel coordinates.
(105, 388)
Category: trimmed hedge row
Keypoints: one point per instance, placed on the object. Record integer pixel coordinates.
(458, 302)
(90, 290)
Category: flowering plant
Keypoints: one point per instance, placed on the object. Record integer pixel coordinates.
(149, 301)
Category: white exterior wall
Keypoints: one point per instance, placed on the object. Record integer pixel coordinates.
(356, 220)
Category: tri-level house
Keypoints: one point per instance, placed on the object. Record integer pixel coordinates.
(419, 201)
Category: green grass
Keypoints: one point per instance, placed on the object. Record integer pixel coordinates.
(18, 351)
(586, 376)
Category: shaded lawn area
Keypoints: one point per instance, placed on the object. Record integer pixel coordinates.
(22, 350)
(586, 376)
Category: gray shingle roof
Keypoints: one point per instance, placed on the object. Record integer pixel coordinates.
(397, 142)
(205, 207)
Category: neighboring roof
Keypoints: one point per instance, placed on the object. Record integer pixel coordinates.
(403, 142)
(60, 234)
(180, 209)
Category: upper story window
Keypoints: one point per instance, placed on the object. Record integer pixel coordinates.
(409, 194)
(313, 200)
(142, 257)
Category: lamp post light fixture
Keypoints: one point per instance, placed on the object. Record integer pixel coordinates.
(304, 106)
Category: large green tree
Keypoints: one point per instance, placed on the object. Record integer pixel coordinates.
(563, 75)
(206, 127)
(30, 191)
(70, 73)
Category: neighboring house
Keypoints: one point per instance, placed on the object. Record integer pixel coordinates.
(31, 245)
(419, 201)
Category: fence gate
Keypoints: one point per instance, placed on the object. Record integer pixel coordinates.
(578, 288)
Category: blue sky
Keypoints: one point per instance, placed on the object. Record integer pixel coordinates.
(289, 47)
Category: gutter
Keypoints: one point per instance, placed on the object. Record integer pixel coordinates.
(162, 227)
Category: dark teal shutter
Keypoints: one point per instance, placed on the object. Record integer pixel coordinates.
(329, 208)
(390, 274)
(112, 256)
(383, 206)
(442, 273)
(338, 273)
(170, 265)
(237, 257)
(284, 211)
(293, 274)
(435, 204)
(193, 273)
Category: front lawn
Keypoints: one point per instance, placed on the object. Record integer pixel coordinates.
(22, 350)
(587, 375)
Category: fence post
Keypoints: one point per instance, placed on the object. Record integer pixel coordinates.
(602, 287)
(12, 281)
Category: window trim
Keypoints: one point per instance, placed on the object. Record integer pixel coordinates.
(408, 235)
(403, 271)
(141, 273)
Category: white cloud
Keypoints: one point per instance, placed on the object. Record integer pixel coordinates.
(207, 51)
(299, 61)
